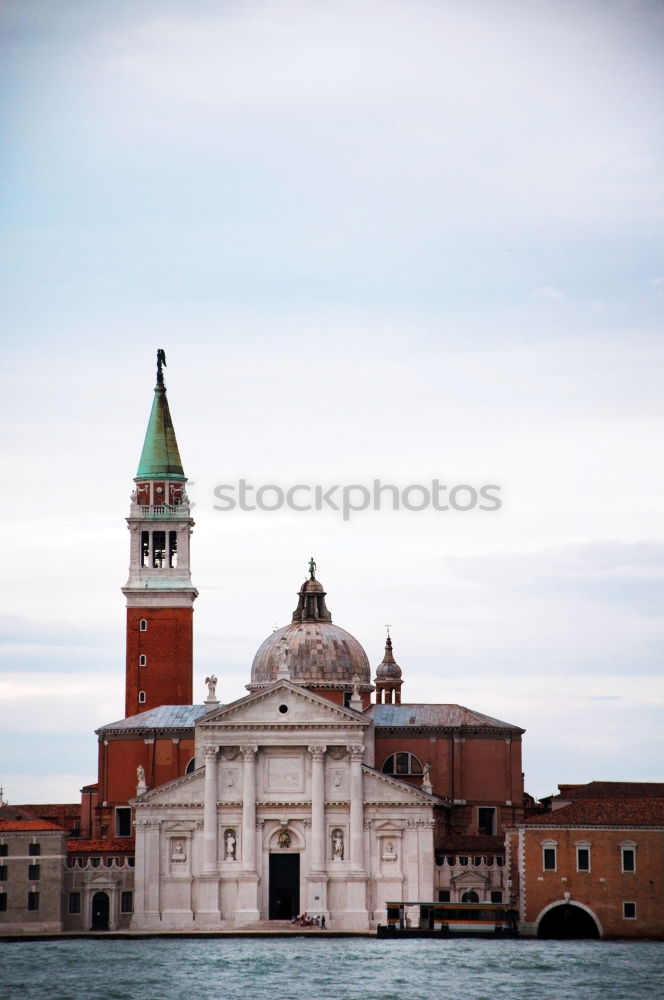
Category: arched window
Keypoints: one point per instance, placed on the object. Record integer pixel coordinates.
(141, 697)
(402, 763)
(143, 625)
(470, 897)
(142, 660)
(191, 766)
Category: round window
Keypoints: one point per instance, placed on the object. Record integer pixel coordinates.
(283, 709)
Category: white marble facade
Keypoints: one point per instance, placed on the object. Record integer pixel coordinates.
(284, 795)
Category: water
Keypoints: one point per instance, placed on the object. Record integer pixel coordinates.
(330, 969)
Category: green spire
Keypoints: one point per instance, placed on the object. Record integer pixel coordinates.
(160, 458)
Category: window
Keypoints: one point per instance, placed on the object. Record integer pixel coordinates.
(33, 901)
(145, 549)
(486, 820)
(463, 860)
(34, 850)
(583, 857)
(470, 897)
(549, 855)
(142, 660)
(496, 896)
(158, 549)
(3, 873)
(127, 902)
(33, 873)
(402, 763)
(347, 696)
(141, 697)
(628, 856)
(123, 821)
(443, 895)
(4, 850)
(629, 911)
(74, 902)
(143, 625)
(3, 902)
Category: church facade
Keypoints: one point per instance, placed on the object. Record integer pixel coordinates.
(322, 791)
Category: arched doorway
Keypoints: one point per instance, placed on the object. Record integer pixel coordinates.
(100, 911)
(566, 921)
(470, 896)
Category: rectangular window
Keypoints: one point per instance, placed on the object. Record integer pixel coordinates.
(33, 873)
(496, 896)
(3, 902)
(486, 821)
(127, 902)
(123, 821)
(549, 859)
(74, 902)
(628, 859)
(629, 911)
(33, 901)
(443, 895)
(582, 859)
(4, 850)
(158, 549)
(3, 873)
(34, 850)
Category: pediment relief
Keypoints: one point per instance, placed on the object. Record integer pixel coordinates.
(284, 705)
(470, 877)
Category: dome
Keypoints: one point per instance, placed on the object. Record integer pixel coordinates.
(316, 653)
(389, 669)
(311, 650)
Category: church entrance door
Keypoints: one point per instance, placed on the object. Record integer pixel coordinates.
(284, 886)
(100, 911)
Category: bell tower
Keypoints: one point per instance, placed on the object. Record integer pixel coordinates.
(160, 594)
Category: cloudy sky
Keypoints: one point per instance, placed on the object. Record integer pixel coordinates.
(400, 240)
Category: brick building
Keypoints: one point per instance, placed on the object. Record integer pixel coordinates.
(594, 865)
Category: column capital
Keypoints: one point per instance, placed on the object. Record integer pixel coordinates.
(356, 751)
(317, 751)
(210, 755)
(249, 751)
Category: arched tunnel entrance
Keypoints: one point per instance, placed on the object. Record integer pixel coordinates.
(567, 921)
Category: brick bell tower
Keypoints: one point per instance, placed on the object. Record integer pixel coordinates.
(160, 595)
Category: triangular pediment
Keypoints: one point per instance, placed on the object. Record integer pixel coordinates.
(470, 877)
(379, 787)
(282, 705)
(188, 788)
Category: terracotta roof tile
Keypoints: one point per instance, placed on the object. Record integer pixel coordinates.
(613, 790)
(604, 812)
(100, 846)
(470, 845)
(27, 826)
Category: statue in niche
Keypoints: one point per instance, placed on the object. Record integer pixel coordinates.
(389, 854)
(338, 845)
(230, 845)
(284, 838)
(178, 853)
(211, 682)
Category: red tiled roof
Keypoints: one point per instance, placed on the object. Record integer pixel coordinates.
(27, 825)
(604, 812)
(39, 809)
(99, 846)
(470, 845)
(613, 790)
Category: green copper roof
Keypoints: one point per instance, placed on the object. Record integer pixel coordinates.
(160, 457)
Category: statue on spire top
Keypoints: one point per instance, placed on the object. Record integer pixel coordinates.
(161, 360)
(312, 568)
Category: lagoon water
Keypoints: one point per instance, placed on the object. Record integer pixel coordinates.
(316, 968)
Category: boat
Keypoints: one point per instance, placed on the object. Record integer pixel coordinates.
(425, 919)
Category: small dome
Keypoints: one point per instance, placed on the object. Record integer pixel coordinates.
(389, 669)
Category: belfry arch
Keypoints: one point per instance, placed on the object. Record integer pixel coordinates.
(568, 919)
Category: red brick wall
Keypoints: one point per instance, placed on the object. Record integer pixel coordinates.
(168, 646)
(605, 887)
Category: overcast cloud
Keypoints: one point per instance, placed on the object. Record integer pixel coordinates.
(395, 240)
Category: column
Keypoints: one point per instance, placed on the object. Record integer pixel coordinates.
(356, 808)
(317, 808)
(249, 808)
(210, 850)
(248, 910)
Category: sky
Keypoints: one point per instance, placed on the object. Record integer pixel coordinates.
(402, 241)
